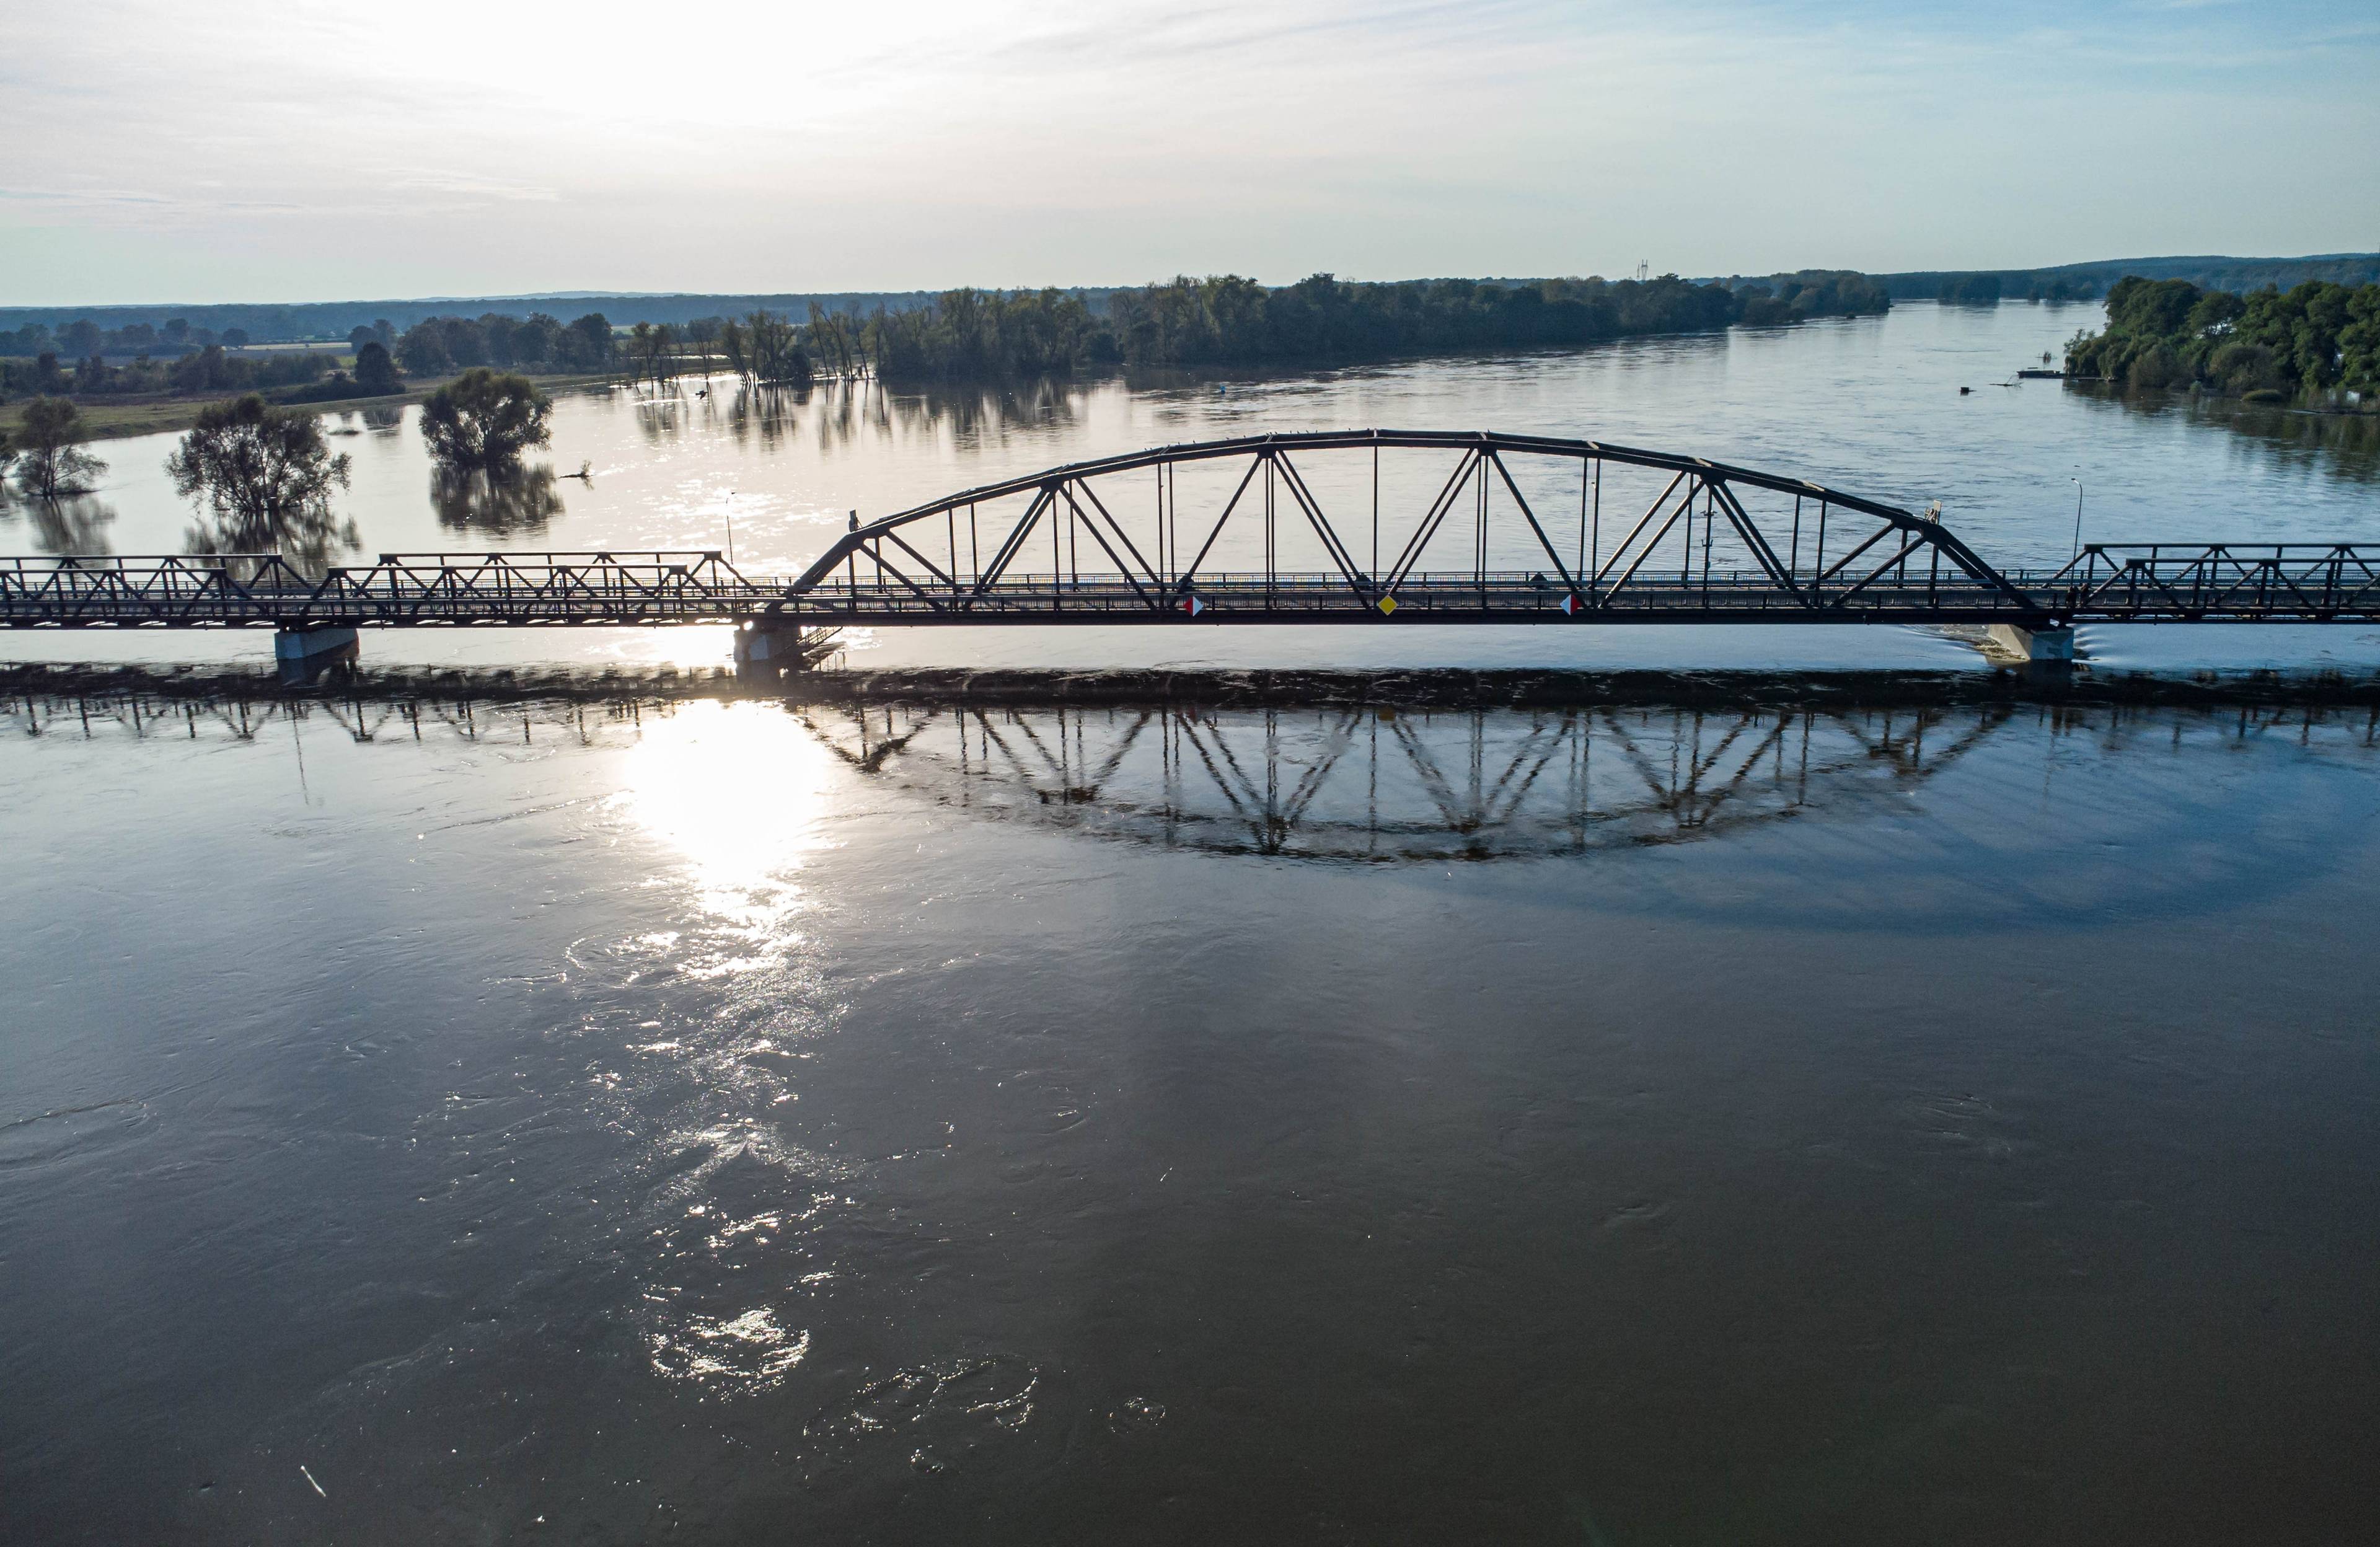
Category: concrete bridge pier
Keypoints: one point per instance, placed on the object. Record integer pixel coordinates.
(305, 654)
(766, 648)
(2018, 646)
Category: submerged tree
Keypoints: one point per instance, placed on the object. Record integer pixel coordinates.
(266, 476)
(765, 348)
(836, 342)
(483, 419)
(49, 444)
(652, 353)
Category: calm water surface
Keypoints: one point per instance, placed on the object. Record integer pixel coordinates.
(466, 1116)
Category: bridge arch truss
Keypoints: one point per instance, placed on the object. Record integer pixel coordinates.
(1403, 526)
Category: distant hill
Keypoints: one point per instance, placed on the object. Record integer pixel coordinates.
(334, 320)
(2089, 281)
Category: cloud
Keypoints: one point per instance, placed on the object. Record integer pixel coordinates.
(451, 146)
(471, 188)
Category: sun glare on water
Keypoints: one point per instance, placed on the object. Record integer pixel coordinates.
(738, 789)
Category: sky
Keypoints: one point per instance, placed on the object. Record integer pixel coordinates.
(158, 151)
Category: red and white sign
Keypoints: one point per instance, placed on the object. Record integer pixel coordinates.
(1574, 604)
(1193, 607)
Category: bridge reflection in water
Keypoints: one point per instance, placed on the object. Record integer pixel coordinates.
(1337, 782)
(1383, 784)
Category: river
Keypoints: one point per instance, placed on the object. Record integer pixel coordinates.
(1794, 1106)
(1868, 405)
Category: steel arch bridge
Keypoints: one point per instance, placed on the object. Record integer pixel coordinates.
(1469, 527)
(1372, 527)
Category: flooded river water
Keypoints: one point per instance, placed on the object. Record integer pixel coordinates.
(1787, 1107)
(1871, 406)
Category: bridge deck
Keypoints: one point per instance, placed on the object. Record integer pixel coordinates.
(2312, 584)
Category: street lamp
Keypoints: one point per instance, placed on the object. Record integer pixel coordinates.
(2078, 518)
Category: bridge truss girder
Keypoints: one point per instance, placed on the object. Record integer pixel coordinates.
(2196, 582)
(1717, 542)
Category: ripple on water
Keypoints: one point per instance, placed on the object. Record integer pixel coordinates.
(744, 1353)
(1139, 1415)
(948, 1405)
(77, 1134)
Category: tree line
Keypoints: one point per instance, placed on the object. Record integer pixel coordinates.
(208, 369)
(2313, 340)
(436, 346)
(1322, 319)
(538, 342)
(82, 339)
(1790, 297)
(968, 335)
(1325, 320)
(1971, 289)
(971, 335)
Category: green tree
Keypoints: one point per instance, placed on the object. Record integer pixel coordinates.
(50, 449)
(586, 344)
(375, 372)
(265, 473)
(2314, 338)
(483, 419)
(2359, 344)
(537, 341)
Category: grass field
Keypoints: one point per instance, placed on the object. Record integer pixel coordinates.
(113, 419)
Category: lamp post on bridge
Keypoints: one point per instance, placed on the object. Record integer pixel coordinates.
(2078, 520)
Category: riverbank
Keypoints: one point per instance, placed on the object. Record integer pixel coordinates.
(2366, 410)
(116, 418)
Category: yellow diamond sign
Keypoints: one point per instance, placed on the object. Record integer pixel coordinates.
(1388, 604)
